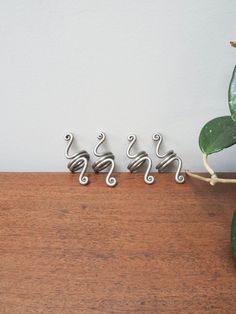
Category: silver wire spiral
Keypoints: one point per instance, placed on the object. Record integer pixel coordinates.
(168, 158)
(105, 160)
(139, 160)
(77, 161)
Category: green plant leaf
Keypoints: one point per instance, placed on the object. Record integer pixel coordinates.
(217, 134)
(232, 95)
(233, 234)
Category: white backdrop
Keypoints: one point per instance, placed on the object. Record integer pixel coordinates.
(113, 65)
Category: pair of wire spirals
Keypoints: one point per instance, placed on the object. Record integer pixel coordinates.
(142, 157)
(80, 161)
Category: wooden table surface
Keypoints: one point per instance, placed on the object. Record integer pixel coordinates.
(65, 248)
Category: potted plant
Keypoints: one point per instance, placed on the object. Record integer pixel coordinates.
(216, 135)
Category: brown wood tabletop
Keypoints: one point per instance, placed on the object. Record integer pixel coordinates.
(65, 248)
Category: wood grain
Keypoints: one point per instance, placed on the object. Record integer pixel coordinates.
(135, 248)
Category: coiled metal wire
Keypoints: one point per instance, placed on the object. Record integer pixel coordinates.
(77, 161)
(105, 160)
(168, 158)
(139, 160)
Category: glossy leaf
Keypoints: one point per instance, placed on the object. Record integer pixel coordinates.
(232, 95)
(233, 234)
(217, 134)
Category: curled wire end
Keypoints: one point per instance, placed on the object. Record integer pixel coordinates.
(69, 136)
(149, 179)
(101, 136)
(180, 179)
(156, 137)
(131, 137)
(111, 181)
(83, 180)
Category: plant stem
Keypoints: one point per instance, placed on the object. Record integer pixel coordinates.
(213, 179)
(233, 43)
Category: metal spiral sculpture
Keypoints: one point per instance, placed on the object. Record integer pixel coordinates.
(105, 160)
(77, 161)
(139, 160)
(168, 158)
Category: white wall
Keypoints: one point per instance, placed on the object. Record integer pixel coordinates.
(113, 65)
